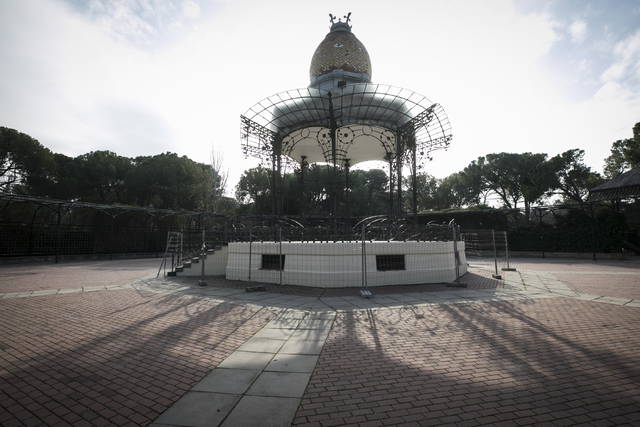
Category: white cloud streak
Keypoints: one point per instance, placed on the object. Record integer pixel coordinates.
(109, 81)
(578, 31)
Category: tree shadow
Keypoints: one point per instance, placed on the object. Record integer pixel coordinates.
(113, 367)
(474, 363)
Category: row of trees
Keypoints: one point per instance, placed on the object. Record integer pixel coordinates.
(517, 180)
(161, 181)
(170, 181)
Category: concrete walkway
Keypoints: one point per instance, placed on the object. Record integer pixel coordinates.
(514, 286)
(262, 382)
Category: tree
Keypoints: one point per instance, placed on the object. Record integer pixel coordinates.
(625, 154)
(100, 176)
(471, 184)
(254, 188)
(516, 177)
(169, 181)
(219, 178)
(25, 164)
(427, 187)
(574, 178)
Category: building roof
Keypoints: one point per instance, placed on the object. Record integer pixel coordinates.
(624, 186)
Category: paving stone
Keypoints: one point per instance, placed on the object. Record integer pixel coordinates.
(282, 324)
(262, 411)
(310, 334)
(93, 288)
(275, 334)
(262, 345)
(199, 409)
(246, 360)
(17, 294)
(296, 346)
(283, 362)
(327, 315)
(587, 297)
(612, 300)
(45, 292)
(280, 384)
(223, 380)
(293, 314)
(315, 324)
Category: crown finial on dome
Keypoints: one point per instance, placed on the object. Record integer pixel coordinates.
(340, 26)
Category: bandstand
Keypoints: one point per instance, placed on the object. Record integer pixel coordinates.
(340, 120)
(343, 119)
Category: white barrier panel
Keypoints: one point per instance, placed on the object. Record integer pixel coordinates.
(214, 265)
(340, 264)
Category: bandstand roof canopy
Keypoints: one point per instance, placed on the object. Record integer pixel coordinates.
(367, 118)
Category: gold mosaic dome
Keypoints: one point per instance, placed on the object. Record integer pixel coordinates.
(340, 50)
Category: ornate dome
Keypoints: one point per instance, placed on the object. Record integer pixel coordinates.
(340, 50)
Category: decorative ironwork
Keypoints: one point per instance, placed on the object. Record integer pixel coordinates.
(346, 122)
(347, 18)
(362, 112)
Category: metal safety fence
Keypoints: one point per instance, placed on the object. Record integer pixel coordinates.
(368, 252)
(489, 247)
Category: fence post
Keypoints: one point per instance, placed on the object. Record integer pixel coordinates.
(363, 262)
(495, 255)
(57, 247)
(456, 255)
(506, 249)
(250, 249)
(365, 292)
(280, 251)
(203, 252)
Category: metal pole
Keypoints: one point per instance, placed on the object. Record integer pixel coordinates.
(390, 159)
(303, 194)
(250, 249)
(364, 291)
(333, 125)
(280, 251)
(506, 249)
(57, 247)
(456, 255)
(414, 179)
(274, 190)
(399, 153)
(363, 262)
(495, 255)
(203, 255)
(347, 199)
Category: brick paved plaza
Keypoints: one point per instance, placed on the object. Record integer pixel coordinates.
(102, 343)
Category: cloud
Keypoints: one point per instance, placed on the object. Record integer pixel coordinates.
(143, 77)
(578, 31)
(626, 65)
(190, 10)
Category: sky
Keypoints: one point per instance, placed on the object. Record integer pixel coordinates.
(142, 77)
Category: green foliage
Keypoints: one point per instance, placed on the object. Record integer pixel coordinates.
(102, 176)
(162, 181)
(169, 181)
(625, 154)
(254, 190)
(573, 177)
(24, 163)
(367, 193)
(516, 177)
(574, 231)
